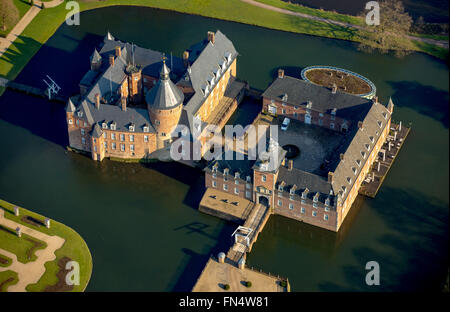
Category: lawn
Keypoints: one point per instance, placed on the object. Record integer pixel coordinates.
(7, 278)
(23, 8)
(74, 248)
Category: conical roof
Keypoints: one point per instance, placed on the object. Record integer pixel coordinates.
(70, 108)
(109, 36)
(164, 95)
(95, 57)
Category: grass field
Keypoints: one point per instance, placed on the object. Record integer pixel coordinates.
(74, 248)
(23, 8)
(5, 261)
(7, 278)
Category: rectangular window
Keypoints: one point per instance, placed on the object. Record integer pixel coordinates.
(132, 147)
(78, 122)
(236, 190)
(214, 183)
(325, 217)
(95, 148)
(104, 134)
(131, 138)
(247, 194)
(314, 213)
(85, 124)
(122, 147)
(113, 136)
(122, 137)
(263, 178)
(291, 206)
(225, 187)
(145, 138)
(70, 121)
(236, 182)
(331, 125)
(82, 131)
(83, 141)
(248, 186)
(302, 210)
(113, 146)
(105, 144)
(280, 203)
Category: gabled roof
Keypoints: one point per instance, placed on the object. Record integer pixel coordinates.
(299, 92)
(97, 131)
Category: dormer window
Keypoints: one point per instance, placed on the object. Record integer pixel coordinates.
(284, 97)
(292, 191)
(384, 115)
(358, 162)
(228, 57)
(248, 179)
(327, 201)
(113, 126)
(367, 146)
(237, 175)
(354, 170)
(145, 128)
(104, 125)
(223, 65)
(363, 154)
(316, 198)
(280, 188)
(344, 188)
(305, 193)
(372, 139)
(80, 114)
(205, 90)
(349, 180)
(309, 104)
(131, 128)
(380, 124)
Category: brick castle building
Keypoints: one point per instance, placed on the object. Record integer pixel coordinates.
(132, 98)
(319, 197)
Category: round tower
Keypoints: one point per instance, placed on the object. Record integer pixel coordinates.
(165, 103)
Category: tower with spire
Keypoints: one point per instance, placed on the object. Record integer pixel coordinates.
(165, 103)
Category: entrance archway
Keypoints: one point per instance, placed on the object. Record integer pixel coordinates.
(263, 201)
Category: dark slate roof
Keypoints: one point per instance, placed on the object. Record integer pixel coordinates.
(70, 107)
(149, 60)
(305, 180)
(360, 139)
(89, 78)
(164, 95)
(238, 163)
(299, 92)
(208, 62)
(97, 131)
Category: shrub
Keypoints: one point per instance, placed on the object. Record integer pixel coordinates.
(226, 286)
(248, 284)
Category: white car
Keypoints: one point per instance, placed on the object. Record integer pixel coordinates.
(285, 124)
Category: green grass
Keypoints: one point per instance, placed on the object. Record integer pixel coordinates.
(23, 8)
(74, 248)
(314, 12)
(23, 247)
(5, 258)
(4, 276)
(435, 37)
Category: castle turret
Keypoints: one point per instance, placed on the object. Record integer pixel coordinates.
(164, 106)
(96, 60)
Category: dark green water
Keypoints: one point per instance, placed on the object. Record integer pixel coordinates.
(141, 222)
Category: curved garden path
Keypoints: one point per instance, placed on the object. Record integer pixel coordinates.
(440, 43)
(31, 272)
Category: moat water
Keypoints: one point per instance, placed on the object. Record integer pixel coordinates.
(141, 222)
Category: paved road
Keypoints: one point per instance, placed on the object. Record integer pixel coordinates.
(440, 43)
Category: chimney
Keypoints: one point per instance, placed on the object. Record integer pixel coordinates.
(341, 156)
(111, 60)
(334, 88)
(123, 103)
(186, 58)
(97, 101)
(375, 99)
(290, 164)
(118, 51)
(280, 73)
(360, 124)
(211, 37)
(330, 176)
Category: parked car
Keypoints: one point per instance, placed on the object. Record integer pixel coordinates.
(285, 124)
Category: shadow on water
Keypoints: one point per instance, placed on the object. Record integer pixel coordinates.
(416, 245)
(197, 261)
(426, 100)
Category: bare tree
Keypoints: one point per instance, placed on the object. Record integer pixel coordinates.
(9, 14)
(391, 33)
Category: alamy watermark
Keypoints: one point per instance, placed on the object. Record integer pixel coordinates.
(73, 277)
(73, 16)
(373, 276)
(373, 16)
